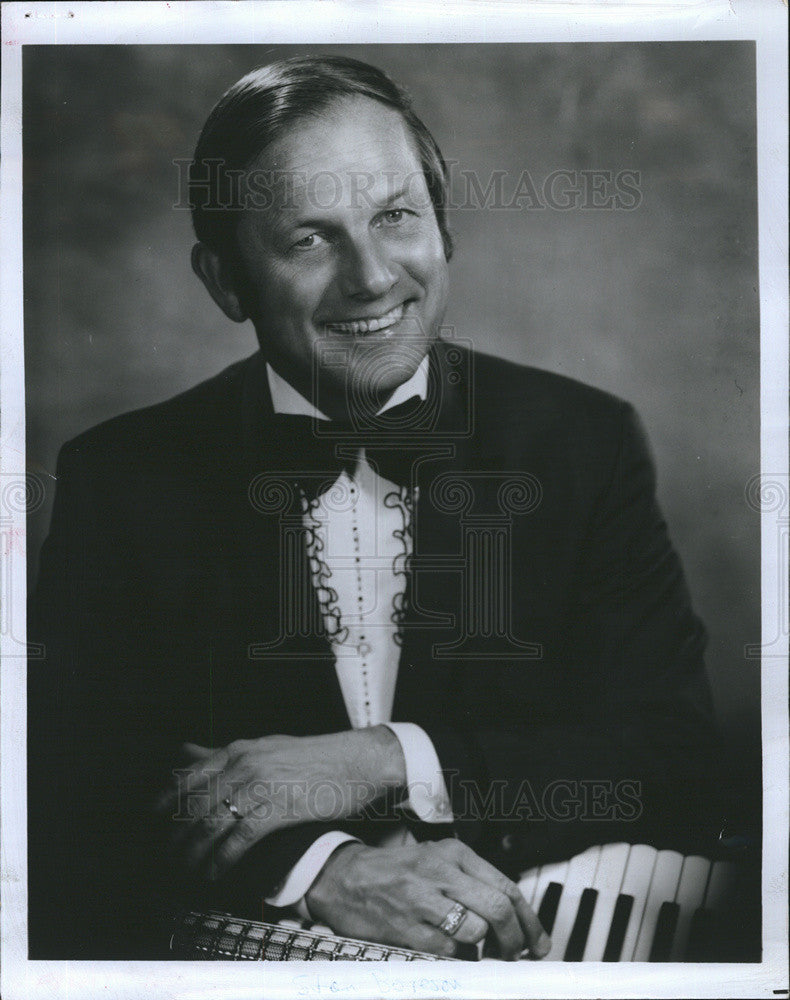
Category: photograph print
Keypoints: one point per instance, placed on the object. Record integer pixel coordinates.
(394, 574)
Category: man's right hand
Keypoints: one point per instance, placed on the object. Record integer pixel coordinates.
(400, 896)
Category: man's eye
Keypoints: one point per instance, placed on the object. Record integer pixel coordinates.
(394, 215)
(307, 242)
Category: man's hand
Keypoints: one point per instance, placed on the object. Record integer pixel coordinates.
(401, 896)
(225, 800)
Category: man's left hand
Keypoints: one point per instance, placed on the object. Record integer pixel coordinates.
(223, 801)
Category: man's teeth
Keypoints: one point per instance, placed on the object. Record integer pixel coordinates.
(369, 325)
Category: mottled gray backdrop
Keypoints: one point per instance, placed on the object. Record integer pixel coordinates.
(658, 304)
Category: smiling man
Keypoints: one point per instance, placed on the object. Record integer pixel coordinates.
(370, 622)
(349, 246)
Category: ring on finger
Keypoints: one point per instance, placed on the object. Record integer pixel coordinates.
(232, 809)
(454, 919)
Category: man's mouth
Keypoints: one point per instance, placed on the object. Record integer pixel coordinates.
(377, 324)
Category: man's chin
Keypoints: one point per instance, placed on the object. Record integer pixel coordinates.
(376, 377)
(362, 373)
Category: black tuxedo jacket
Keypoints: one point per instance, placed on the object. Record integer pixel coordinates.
(549, 648)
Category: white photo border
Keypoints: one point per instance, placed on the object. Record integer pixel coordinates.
(294, 21)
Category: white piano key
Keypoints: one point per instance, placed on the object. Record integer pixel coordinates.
(636, 883)
(663, 886)
(608, 880)
(581, 872)
(720, 884)
(689, 896)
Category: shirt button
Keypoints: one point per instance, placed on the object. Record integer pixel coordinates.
(508, 842)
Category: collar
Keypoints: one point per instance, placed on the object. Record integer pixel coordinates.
(286, 399)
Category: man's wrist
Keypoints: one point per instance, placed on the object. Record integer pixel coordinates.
(324, 888)
(377, 758)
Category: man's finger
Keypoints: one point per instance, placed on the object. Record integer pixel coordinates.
(202, 837)
(211, 815)
(436, 909)
(537, 940)
(492, 906)
(424, 937)
(193, 788)
(243, 834)
(189, 752)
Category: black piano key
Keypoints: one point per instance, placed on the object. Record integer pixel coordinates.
(466, 952)
(665, 932)
(548, 907)
(620, 917)
(699, 937)
(581, 926)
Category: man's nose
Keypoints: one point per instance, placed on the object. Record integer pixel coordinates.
(366, 271)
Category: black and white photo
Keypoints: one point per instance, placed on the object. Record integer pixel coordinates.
(398, 549)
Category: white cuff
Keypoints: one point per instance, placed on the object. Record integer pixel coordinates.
(427, 792)
(304, 872)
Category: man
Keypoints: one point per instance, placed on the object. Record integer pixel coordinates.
(368, 623)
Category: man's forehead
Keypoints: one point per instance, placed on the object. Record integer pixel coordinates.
(357, 146)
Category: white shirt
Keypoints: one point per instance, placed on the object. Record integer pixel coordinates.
(363, 542)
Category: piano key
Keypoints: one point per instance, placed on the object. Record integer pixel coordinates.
(636, 883)
(700, 937)
(556, 873)
(547, 911)
(581, 872)
(663, 886)
(720, 885)
(608, 880)
(691, 892)
(581, 927)
(620, 918)
(711, 930)
(665, 932)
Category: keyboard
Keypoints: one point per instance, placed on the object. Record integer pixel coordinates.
(611, 903)
(631, 903)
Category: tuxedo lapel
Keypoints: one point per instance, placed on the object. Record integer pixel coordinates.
(288, 641)
(434, 581)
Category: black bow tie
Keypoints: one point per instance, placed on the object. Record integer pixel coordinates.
(315, 452)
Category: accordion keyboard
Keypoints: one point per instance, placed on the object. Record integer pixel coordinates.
(630, 903)
(612, 903)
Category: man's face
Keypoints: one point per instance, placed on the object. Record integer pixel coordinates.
(346, 275)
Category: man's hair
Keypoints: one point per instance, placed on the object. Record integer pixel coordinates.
(256, 110)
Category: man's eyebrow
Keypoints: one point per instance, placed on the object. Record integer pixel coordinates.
(395, 195)
(283, 222)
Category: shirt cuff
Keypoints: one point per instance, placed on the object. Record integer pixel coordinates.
(427, 792)
(292, 891)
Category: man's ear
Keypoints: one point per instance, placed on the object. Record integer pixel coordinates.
(217, 276)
